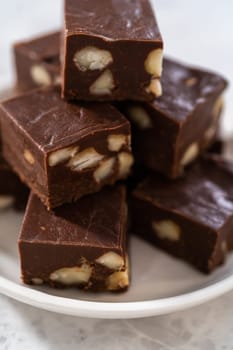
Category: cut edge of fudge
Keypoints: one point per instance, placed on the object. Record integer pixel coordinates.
(13, 193)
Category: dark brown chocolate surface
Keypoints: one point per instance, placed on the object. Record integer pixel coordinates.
(42, 125)
(174, 129)
(113, 20)
(140, 172)
(183, 95)
(12, 191)
(74, 235)
(217, 147)
(199, 206)
(8, 93)
(127, 30)
(37, 61)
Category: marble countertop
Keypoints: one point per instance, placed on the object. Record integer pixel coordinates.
(207, 327)
(196, 31)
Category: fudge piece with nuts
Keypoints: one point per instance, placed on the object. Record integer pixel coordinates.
(64, 151)
(176, 128)
(112, 50)
(37, 62)
(190, 218)
(81, 244)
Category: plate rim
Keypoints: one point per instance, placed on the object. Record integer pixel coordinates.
(114, 310)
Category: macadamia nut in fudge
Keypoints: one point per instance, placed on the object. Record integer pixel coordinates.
(82, 244)
(112, 50)
(190, 218)
(173, 130)
(64, 151)
(37, 62)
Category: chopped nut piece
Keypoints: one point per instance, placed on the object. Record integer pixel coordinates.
(104, 170)
(138, 115)
(40, 75)
(153, 62)
(6, 201)
(88, 158)
(118, 280)
(190, 154)
(37, 281)
(92, 58)
(103, 85)
(167, 229)
(155, 87)
(62, 155)
(72, 275)
(111, 260)
(125, 163)
(218, 106)
(210, 132)
(116, 142)
(191, 82)
(29, 157)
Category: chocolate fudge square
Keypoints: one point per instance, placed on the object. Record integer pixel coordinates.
(112, 50)
(173, 130)
(190, 218)
(37, 62)
(82, 244)
(64, 151)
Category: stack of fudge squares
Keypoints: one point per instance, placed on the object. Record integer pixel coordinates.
(81, 93)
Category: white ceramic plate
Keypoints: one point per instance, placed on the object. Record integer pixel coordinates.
(160, 284)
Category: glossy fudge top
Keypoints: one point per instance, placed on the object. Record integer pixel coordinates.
(112, 19)
(44, 48)
(184, 88)
(204, 195)
(52, 122)
(98, 220)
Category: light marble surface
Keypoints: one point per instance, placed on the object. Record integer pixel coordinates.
(208, 327)
(199, 32)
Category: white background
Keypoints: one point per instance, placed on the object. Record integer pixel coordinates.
(197, 31)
